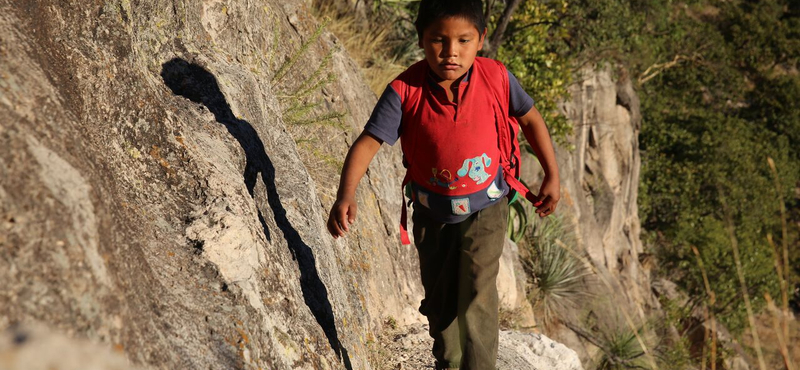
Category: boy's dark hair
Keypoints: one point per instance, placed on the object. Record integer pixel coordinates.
(431, 10)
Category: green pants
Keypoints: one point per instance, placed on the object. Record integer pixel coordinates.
(459, 265)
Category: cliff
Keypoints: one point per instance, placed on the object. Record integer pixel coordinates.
(599, 167)
(153, 196)
(165, 175)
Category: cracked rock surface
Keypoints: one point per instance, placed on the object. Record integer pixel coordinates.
(166, 168)
(409, 348)
(154, 198)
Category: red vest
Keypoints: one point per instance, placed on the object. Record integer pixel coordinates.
(456, 152)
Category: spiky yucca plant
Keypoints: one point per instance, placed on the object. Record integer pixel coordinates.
(621, 350)
(558, 274)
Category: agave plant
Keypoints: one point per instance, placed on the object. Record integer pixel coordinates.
(558, 272)
(621, 350)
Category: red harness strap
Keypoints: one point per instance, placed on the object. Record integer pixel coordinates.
(404, 213)
(490, 76)
(506, 145)
(520, 187)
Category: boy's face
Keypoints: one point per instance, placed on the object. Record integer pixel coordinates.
(451, 45)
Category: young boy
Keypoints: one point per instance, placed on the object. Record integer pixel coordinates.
(450, 111)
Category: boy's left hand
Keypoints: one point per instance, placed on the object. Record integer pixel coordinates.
(549, 195)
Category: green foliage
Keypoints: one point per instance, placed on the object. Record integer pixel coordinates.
(289, 63)
(717, 81)
(621, 350)
(676, 356)
(671, 354)
(559, 276)
(535, 53)
(703, 138)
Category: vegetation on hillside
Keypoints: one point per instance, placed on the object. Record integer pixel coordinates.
(716, 80)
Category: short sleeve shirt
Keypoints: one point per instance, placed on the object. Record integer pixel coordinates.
(386, 118)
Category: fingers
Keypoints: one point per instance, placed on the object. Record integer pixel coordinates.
(351, 212)
(538, 201)
(340, 219)
(546, 206)
(333, 226)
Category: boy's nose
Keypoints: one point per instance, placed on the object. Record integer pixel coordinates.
(449, 49)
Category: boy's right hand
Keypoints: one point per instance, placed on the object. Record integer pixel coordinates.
(343, 214)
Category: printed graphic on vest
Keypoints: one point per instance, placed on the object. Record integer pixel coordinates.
(443, 178)
(460, 206)
(476, 168)
(494, 192)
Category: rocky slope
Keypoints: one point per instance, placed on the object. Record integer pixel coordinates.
(599, 168)
(408, 348)
(152, 197)
(165, 173)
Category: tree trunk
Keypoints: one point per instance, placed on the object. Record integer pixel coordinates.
(490, 47)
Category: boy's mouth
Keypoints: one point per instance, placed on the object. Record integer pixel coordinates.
(450, 66)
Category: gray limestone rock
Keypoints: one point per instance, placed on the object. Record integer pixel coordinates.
(599, 168)
(410, 348)
(535, 352)
(165, 176)
(34, 347)
(155, 196)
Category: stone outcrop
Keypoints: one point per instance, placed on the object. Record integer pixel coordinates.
(165, 173)
(34, 347)
(409, 348)
(153, 198)
(534, 351)
(599, 167)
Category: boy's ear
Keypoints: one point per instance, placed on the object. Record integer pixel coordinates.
(482, 38)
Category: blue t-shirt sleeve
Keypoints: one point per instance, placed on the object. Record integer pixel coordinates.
(519, 102)
(384, 123)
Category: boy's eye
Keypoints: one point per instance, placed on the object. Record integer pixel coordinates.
(463, 41)
(436, 41)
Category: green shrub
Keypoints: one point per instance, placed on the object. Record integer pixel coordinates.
(535, 52)
(620, 349)
(558, 275)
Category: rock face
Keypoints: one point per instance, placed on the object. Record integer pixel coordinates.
(36, 348)
(153, 196)
(409, 348)
(599, 170)
(601, 181)
(601, 175)
(534, 351)
(167, 166)
(605, 184)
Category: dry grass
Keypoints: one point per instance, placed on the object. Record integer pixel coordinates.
(783, 277)
(773, 353)
(368, 43)
(634, 329)
(743, 285)
(711, 330)
(781, 338)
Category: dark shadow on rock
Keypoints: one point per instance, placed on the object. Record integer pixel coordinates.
(200, 86)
